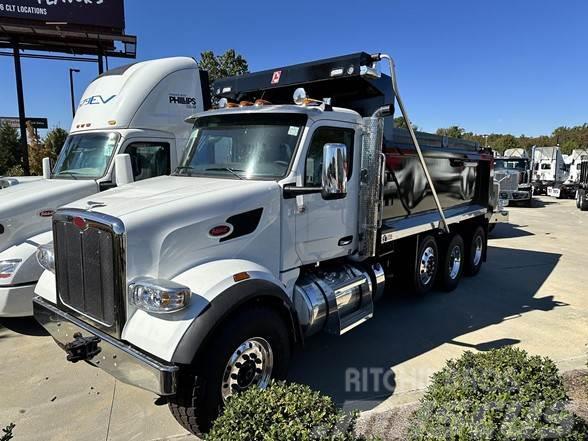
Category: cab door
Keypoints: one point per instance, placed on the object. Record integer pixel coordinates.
(326, 229)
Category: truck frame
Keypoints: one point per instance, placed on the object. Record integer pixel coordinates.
(283, 220)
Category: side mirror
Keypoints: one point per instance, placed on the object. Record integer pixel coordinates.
(46, 168)
(334, 178)
(123, 171)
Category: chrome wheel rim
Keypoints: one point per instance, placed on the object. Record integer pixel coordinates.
(427, 266)
(455, 262)
(250, 365)
(479, 246)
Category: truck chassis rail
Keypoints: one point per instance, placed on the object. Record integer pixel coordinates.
(393, 229)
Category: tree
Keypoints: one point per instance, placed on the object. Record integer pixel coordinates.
(9, 148)
(506, 142)
(452, 132)
(54, 141)
(400, 122)
(220, 66)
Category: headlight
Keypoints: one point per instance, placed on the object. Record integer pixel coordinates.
(158, 295)
(9, 267)
(46, 257)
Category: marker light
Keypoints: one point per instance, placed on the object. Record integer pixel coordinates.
(46, 257)
(337, 72)
(159, 295)
(299, 96)
(222, 103)
(9, 267)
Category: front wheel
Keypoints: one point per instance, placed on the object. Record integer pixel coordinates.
(475, 249)
(583, 200)
(250, 349)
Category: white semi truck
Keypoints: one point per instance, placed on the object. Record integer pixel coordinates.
(549, 169)
(294, 206)
(569, 188)
(129, 126)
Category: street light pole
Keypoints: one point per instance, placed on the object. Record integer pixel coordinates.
(71, 88)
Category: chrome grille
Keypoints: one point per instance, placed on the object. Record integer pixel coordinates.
(89, 267)
(507, 181)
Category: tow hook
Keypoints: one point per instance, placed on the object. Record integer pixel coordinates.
(82, 348)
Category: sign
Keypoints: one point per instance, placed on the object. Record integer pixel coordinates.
(14, 122)
(99, 13)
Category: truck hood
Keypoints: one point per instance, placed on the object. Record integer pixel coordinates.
(9, 181)
(168, 220)
(25, 210)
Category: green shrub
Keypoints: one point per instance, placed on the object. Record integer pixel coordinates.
(7, 433)
(503, 394)
(284, 412)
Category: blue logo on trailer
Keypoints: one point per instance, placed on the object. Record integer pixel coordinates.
(96, 99)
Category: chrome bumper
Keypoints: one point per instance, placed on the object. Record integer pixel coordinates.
(117, 358)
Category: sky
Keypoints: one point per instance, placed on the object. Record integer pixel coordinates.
(489, 66)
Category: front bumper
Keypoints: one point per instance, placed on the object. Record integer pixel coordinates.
(515, 195)
(17, 301)
(117, 358)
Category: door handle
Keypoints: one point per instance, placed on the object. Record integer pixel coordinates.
(345, 241)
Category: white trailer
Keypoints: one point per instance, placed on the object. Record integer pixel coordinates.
(283, 220)
(129, 126)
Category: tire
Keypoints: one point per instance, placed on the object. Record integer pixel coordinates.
(583, 200)
(578, 199)
(475, 250)
(426, 265)
(452, 263)
(199, 399)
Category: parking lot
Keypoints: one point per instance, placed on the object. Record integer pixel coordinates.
(531, 293)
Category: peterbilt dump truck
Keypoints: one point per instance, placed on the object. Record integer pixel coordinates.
(295, 205)
(513, 172)
(129, 126)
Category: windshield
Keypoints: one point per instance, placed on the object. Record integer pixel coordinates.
(243, 146)
(511, 164)
(86, 155)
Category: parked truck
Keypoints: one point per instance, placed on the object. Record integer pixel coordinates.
(549, 169)
(569, 188)
(129, 126)
(582, 192)
(295, 205)
(512, 172)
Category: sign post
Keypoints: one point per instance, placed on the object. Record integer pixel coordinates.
(24, 148)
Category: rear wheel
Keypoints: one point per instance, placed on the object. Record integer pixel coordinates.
(452, 263)
(249, 350)
(426, 265)
(475, 249)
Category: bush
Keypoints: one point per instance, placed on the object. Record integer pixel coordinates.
(282, 412)
(7, 433)
(503, 394)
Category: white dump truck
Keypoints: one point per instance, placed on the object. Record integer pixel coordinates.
(295, 205)
(129, 126)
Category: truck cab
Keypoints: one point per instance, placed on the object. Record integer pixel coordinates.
(296, 202)
(513, 174)
(129, 126)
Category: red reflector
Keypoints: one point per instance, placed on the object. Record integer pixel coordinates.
(80, 223)
(219, 230)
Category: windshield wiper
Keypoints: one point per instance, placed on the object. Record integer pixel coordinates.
(233, 171)
(183, 167)
(67, 172)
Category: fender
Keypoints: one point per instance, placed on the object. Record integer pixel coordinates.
(176, 337)
(29, 270)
